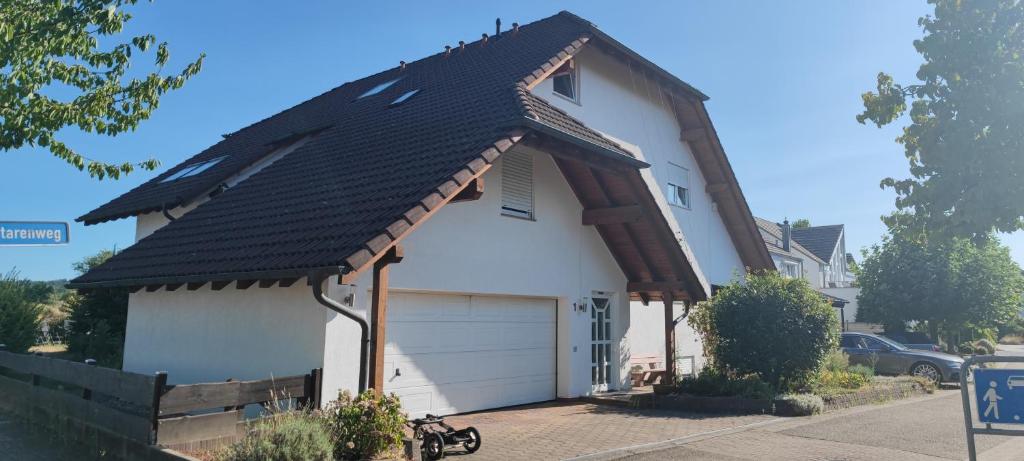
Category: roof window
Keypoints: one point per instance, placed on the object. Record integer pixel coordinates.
(404, 97)
(193, 169)
(379, 88)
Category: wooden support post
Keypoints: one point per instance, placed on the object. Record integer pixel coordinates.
(379, 316)
(158, 391)
(87, 393)
(670, 338)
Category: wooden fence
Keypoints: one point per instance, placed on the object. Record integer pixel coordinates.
(140, 410)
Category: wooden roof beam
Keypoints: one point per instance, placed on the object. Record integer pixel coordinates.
(612, 215)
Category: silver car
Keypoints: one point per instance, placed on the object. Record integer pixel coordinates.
(892, 358)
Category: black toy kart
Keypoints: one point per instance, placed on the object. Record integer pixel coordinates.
(436, 435)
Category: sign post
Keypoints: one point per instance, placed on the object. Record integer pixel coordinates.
(999, 398)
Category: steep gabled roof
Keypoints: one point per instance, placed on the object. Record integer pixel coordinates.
(373, 170)
(820, 240)
(775, 230)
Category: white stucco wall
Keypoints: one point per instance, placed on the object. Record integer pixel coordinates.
(470, 248)
(624, 104)
(210, 336)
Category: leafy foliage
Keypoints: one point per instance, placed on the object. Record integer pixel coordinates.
(288, 436)
(801, 223)
(98, 318)
(948, 284)
(964, 140)
(775, 327)
(19, 313)
(54, 74)
(712, 382)
(365, 426)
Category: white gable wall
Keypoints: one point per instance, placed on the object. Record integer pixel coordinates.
(617, 100)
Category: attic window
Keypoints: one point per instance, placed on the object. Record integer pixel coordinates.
(678, 190)
(194, 169)
(517, 185)
(379, 88)
(404, 97)
(565, 81)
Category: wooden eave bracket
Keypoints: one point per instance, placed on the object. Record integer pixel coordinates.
(473, 191)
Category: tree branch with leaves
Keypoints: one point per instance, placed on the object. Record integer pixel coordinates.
(55, 75)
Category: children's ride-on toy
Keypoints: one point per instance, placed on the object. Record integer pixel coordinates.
(434, 440)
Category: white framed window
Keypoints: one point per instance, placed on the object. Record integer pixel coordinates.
(678, 190)
(791, 269)
(517, 185)
(566, 81)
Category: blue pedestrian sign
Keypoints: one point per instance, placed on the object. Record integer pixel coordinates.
(20, 233)
(1000, 395)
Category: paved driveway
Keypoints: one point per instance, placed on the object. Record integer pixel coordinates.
(564, 430)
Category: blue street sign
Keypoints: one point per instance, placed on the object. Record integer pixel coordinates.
(33, 233)
(1000, 395)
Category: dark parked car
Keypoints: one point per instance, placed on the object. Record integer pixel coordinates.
(914, 340)
(892, 358)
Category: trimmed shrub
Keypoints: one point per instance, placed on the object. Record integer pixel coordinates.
(986, 346)
(365, 426)
(863, 370)
(778, 328)
(836, 360)
(19, 314)
(288, 436)
(829, 381)
(965, 348)
(714, 383)
(799, 404)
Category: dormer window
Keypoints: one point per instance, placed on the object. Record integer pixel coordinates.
(565, 81)
(377, 89)
(193, 169)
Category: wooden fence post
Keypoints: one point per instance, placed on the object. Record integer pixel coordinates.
(158, 391)
(87, 393)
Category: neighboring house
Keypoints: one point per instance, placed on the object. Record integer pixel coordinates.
(486, 221)
(818, 254)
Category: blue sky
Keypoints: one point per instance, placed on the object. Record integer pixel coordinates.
(785, 80)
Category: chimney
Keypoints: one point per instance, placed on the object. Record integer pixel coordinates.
(787, 234)
(497, 27)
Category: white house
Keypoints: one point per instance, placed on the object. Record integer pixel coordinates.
(504, 222)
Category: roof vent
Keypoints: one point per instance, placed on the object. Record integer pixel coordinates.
(483, 40)
(462, 46)
(401, 65)
(515, 28)
(447, 51)
(497, 27)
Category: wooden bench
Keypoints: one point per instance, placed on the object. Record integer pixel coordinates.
(651, 371)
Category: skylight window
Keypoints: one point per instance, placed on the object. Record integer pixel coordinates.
(193, 169)
(379, 88)
(404, 97)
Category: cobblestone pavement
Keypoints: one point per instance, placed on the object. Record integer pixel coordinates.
(18, 443)
(563, 430)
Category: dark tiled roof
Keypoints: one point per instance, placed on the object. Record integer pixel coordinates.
(820, 240)
(320, 204)
(775, 229)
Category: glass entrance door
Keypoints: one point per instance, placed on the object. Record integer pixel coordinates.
(600, 343)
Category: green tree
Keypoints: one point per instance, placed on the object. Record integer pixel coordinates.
(966, 130)
(98, 318)
(54, 74)
(778, 328)
(949, 284)
(19, 313)
(802, 223)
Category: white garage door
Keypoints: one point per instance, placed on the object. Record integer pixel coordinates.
(455, 353)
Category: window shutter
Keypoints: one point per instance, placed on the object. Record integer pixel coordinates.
(517, 185)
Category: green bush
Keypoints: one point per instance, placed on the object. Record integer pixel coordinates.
(864, 371)
(20, 315)
(836, 360)
(98, 318)
(288, 436)
(985, 345)
(714, 383)
(801, 404)
(966, 347)
(778, 328)
(365, 426)
(829, 382)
